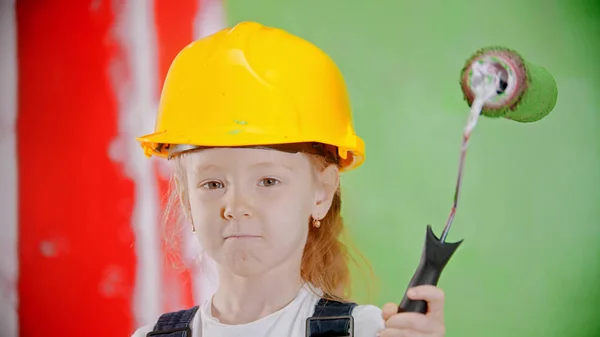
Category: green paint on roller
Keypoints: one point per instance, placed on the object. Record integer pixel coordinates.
(531, 91)
(234, 132)
(539, 98)
(240, 122)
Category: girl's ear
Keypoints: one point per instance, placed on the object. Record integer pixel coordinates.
(329, 180)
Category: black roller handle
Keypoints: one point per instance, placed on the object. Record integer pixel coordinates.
(434, 258)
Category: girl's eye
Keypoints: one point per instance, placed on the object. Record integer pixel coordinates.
(268, 182)
(212, 185)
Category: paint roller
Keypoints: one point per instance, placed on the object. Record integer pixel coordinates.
(498, 83)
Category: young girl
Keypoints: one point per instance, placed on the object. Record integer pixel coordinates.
(258, 125)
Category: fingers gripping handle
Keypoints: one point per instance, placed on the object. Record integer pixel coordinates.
(434, 258)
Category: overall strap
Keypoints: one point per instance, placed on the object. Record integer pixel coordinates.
(331, 318)
(174, 324)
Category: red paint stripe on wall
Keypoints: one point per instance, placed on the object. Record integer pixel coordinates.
(76, 262)
(174, 30)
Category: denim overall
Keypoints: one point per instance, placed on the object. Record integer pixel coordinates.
(330, 319)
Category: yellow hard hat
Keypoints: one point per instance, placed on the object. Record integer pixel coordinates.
(253, 85)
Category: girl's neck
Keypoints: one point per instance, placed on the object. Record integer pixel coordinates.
(240, 300)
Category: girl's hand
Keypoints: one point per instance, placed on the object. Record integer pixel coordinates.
(411, 324)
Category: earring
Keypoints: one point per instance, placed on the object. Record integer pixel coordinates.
(316, 223)
(193, 227)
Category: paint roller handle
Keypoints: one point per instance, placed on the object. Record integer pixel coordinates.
(434, 258)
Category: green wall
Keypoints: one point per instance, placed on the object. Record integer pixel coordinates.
(530, 210)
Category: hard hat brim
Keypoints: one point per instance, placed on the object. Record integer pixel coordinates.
(154, 144)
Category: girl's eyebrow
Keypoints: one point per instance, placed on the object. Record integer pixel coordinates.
(270, 164)
(205, 167)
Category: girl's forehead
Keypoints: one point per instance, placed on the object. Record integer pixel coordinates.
(246, 157)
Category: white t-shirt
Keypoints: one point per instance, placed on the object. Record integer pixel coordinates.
(290, 321)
